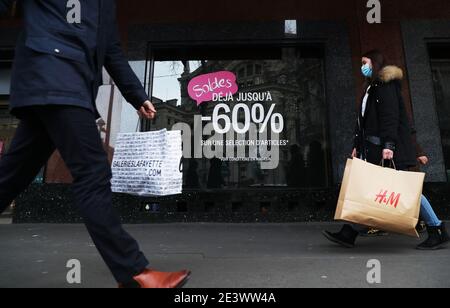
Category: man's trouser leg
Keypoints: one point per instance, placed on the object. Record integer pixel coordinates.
(74, 133)
(29, 151)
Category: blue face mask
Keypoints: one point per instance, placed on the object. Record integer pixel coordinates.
(367, 71)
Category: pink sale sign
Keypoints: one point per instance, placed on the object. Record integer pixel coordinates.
(209, 87)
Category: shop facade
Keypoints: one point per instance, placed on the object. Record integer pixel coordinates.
(294, 70)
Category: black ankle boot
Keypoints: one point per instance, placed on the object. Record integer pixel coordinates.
(346, 237)
(437, 238)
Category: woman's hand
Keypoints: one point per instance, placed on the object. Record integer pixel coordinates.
(423, 160)
(354, 153)
(388, 154)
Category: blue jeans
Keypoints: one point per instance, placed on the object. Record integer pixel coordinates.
(427, 213)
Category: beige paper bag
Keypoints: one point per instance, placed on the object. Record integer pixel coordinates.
(381, 198)
(341, 200)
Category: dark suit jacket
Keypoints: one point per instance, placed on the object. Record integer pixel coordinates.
(60, 63)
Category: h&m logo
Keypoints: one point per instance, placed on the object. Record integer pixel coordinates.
(392, 199)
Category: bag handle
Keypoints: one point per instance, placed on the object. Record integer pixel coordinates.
(392, 164)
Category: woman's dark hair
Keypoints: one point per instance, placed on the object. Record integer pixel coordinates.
(378, 62)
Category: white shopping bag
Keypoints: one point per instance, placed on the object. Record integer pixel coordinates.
(148, 164)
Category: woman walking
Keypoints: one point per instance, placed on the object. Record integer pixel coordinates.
(383, 132)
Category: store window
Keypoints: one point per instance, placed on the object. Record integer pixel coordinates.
(440, 64)
(251, 117)
(8, 124)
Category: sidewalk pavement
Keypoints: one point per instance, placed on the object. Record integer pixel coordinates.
(222, 256)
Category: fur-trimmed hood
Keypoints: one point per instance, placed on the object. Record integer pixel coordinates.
(390, 73)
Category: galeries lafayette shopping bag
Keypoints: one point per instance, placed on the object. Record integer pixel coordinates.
(382, 198)
(148, 164)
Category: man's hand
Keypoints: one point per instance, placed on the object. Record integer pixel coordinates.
(423, 160)
(388, 154)
(147, 111)
(354, 153)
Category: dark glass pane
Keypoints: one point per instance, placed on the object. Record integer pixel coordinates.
(440, 64)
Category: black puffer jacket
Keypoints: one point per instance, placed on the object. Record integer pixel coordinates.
(385, 124)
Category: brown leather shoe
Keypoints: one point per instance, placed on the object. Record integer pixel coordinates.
(150, 279)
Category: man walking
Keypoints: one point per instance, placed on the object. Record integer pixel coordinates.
(56, 75)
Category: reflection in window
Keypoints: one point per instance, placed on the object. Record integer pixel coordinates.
(297, 86)
(8, 124)
(440, 64)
